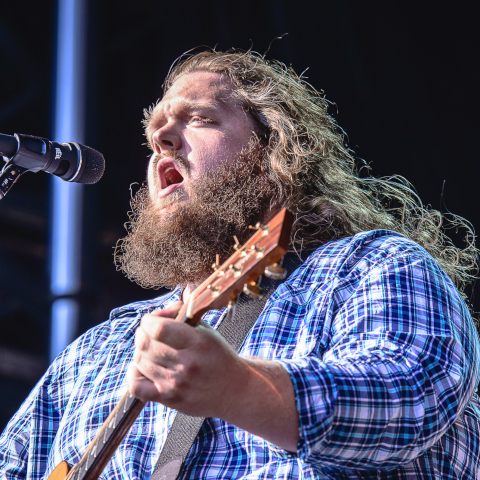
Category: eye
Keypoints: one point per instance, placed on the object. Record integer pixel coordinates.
(200, 119)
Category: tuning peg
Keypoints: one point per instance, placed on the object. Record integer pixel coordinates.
(215, 290)
(258, 250)
(237, 243)
(217, 262)
(276, 272)
(259, 226)
(252, 290)
(237, 271)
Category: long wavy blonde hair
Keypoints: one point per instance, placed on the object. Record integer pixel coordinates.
(316, 174)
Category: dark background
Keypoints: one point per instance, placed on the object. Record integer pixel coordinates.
(403, 77)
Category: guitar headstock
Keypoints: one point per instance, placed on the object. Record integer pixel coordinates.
(266, 247)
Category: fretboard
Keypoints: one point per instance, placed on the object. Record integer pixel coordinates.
(107, 440)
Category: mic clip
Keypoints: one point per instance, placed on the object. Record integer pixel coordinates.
(9, 175)
(26, 158)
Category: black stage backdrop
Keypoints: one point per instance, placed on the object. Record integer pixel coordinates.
(404, 79)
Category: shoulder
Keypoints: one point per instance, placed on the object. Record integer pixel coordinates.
(126, 312)
(119, 329)
(126, 318)
(361, 253)
(341, 266)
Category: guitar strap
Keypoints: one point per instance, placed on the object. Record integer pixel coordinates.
(185, 428)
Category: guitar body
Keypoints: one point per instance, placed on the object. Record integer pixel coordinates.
(60, 472)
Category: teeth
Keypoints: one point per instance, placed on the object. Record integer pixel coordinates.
(172, 176)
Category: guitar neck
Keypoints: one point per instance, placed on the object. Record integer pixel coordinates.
(113, 431)
(107, 440)
(245, 266)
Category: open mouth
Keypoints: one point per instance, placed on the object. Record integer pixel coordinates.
(170, 176)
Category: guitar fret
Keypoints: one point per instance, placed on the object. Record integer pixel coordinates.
(113, 423)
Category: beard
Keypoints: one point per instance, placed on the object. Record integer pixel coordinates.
(166, 249)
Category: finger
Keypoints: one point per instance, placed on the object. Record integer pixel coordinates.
(175, 334)
(151, 371)
(170, 312)
(133, 374)
(157, 352)
(140, 386)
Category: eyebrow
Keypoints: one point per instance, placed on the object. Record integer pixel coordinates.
(200, 105)
(191, 105)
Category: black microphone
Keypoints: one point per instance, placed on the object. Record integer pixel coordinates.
(69, 161)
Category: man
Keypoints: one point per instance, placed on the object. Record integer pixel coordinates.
(363, 363)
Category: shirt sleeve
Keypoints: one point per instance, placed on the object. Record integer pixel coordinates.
(401, 363)
(26, 441)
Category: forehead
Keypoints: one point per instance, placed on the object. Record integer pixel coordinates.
(198, 87)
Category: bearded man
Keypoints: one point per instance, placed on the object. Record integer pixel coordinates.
(363, 363)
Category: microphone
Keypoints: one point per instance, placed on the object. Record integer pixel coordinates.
(69, 161)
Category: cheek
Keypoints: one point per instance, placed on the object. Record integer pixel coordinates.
(206, 154)
(210, 150)
(221, 150)
(236, 141)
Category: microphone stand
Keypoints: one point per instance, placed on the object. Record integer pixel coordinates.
(9, 175)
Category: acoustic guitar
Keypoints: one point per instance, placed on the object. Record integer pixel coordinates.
(260, 255)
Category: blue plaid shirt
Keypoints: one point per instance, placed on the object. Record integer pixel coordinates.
(383, 356)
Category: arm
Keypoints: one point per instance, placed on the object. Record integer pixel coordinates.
(14, 443)
(399, 365)
(26, 440)
(25, 444)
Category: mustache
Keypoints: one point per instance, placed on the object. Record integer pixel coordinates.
(182, 163)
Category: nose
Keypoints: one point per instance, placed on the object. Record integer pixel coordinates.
(166, 138)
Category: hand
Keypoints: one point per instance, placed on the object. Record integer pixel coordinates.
(193, 370)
